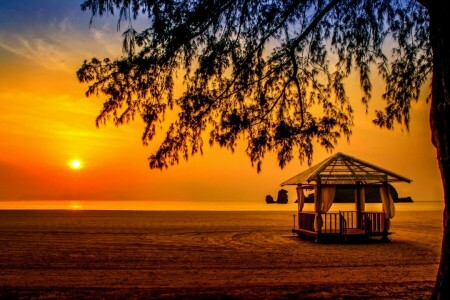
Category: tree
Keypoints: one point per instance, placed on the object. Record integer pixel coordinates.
(271, 73)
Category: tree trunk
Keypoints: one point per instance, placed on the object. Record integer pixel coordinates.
(440, 128)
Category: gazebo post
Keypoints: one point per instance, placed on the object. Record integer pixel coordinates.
(300, 197)
(317, 208)
(301, 201)
(387, 222)
(358, 203)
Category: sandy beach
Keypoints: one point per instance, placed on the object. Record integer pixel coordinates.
(191, 255)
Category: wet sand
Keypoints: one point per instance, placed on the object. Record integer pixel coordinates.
(191, 255)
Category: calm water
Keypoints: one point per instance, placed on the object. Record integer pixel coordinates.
(200, 206)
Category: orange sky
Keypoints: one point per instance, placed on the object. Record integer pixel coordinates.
(46, 121)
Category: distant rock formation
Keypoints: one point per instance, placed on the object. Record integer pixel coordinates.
(346, 194)
(282, 196)
(269, 199)
(309, 198)
(281, 199)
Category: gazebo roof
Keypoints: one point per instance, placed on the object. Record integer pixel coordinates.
(344, 169)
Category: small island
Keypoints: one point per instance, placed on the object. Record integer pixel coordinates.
(281, 199)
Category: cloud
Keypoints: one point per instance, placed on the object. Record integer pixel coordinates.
(49, 55)
(62, 45)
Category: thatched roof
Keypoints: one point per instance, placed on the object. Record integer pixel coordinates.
(344, 169)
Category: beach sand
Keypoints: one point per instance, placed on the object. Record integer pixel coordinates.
(214, 255)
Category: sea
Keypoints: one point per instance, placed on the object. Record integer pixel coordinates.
(151, 205)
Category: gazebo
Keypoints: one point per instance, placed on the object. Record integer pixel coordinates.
(323, 178)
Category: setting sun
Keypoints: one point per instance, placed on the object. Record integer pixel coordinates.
(75, 206)
(75, 164)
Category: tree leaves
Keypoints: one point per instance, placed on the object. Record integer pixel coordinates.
(258, 72)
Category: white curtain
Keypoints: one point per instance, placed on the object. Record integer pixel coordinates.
(328, 192)
(323, 203)
(388, 203)
(300, 198)
(318, 222)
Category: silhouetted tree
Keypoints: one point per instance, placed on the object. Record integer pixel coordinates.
(271, 73)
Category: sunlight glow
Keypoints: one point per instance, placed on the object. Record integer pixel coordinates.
(75, 164)
(75, 206)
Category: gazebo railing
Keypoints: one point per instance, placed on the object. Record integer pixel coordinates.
(343, 222)
(306, 221)
(373, 221)
(333, 223)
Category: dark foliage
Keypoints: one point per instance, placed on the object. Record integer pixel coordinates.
(266, 73)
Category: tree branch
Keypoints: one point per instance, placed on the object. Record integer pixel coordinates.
(314, 23)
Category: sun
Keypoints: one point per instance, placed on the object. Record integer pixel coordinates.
(75, 206)
(75, 164)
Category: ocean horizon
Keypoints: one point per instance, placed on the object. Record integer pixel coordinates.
(143, 205)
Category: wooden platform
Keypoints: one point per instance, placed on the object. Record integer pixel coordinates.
(353, 235)
(343, 226)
